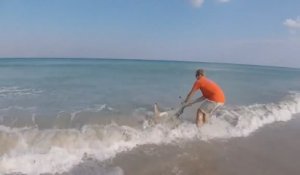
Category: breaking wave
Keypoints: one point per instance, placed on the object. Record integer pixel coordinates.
(35, 151)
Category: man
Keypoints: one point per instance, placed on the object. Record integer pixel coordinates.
(212, 97)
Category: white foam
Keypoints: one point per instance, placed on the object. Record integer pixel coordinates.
(95, 108)
(242, 121)
(34, 151)
(17, 91)
(11, 108)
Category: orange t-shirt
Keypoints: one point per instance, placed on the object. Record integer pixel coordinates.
(209, 89)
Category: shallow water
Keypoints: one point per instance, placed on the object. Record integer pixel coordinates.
(92, 113)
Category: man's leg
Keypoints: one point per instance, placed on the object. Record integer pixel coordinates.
(200, 117)
(205, 118)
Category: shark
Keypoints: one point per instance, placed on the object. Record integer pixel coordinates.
(173, 114)
(170, 117)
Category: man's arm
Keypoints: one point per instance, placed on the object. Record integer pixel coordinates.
(195, 87)
(185, 102)
(190, 95)
(196, 101)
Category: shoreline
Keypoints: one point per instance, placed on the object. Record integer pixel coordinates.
(271, 150)
(274, 150)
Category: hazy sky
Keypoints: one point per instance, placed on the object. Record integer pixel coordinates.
(236, 31)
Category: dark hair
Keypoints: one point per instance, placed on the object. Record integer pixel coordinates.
(200, 72)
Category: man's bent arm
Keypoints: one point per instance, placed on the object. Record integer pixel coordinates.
(190, 94)
(196, 101)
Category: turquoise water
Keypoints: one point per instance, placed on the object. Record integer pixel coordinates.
(73, 108)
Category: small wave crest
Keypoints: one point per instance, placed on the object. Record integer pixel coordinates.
(17, 91)
(18, 116)
(243, 120)
(35, 151)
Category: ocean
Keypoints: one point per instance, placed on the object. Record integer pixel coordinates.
(89, 116)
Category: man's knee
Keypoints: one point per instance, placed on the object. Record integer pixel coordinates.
(199, 110)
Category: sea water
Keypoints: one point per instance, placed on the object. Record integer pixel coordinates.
(54, 113)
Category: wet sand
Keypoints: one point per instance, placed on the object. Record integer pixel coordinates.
(271, 150)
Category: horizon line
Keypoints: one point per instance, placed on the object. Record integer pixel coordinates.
(149, 59)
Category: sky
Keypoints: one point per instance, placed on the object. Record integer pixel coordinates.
(261, 32)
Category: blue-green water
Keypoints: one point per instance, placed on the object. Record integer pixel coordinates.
(51, 107)
(54, 85)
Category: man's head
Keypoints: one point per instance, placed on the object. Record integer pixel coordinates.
(199, 73)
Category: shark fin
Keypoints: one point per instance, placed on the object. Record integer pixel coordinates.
(156, 111)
